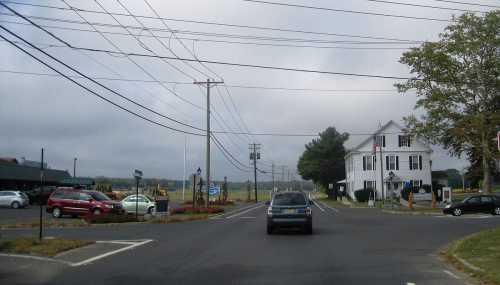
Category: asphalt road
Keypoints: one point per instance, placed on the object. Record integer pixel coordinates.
(348, 246)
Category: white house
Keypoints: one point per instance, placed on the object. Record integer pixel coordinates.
(405, 159)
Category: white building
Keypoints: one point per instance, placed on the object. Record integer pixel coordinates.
(405, 159)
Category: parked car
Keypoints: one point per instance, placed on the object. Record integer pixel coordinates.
(475, 204)
(80, 202)
(14, 199)
(289, 209)
(34, 194)
(145, 204)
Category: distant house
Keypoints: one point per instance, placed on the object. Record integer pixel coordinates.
(14, 175)
(405, 161)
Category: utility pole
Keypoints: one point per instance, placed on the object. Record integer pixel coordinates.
(283, 176)
(184, 172)
(40, 199)
(74, 167)
(254, 155)
(272, 173)
(208, 83)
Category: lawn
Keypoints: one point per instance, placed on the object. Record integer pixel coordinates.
(47, 247)
(482, 250)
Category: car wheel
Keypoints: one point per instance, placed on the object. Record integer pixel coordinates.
(15, 205)
(56, 213)
(496, 211)
(97, 212)
(457, 212)
(269, 230)
(151, 210)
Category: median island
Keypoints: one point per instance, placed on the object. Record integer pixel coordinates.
(478, 255)
(46, 247)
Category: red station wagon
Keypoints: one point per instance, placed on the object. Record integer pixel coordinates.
(76, 202)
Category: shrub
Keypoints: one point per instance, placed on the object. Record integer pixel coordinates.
(198, 210)
(363, 195)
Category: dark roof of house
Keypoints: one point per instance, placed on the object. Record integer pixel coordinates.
(26, 173)
(9, 160)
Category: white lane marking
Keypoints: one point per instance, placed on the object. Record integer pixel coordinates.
(35, 258)
(317, 205)
(230, 212)
(101, 256)
(451, 274)
(410, 283)
(329, 207)
(243, 212)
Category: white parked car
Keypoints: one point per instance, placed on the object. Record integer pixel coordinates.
(14, 199)
(145, 204)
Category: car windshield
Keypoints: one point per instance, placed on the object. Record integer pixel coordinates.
(99, 196)
(289, 199)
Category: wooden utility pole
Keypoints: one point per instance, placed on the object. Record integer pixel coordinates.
(254, 155)
(208, 84)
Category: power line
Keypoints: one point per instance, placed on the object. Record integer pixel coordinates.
(426, 6)
(216, 23)
(190, 83)
(91, 91)
(253, 43)
(96, 82)
(346, 11)
(228, 155)
(468, 3)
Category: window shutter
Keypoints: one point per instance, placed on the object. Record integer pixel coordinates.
(397, 162)
(383, 141)
(399, 141)
(410, 163)
(420, 162)
(387, 163)
(374, 158)
(421, 183)
(364, 163)
(409, 141)
(364, 184)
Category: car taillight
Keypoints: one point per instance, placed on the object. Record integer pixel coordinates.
(308, 211)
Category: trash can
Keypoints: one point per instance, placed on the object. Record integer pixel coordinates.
(161, 205)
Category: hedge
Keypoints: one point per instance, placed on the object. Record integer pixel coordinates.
(363, 195)
(198, 210)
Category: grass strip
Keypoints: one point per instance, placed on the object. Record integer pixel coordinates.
(478, 255)
(47, 247)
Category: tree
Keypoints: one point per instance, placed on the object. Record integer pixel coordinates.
(457, 83)
(323, 160)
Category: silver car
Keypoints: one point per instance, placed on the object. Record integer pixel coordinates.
(14, 199)
(145, 204)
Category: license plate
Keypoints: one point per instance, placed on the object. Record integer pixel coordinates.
(289, 211)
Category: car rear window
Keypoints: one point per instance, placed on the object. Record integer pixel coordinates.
(289, 199)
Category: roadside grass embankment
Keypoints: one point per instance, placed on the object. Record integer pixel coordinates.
(46, 247)
(478, 255)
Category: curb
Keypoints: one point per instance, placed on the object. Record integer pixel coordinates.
(467, 264)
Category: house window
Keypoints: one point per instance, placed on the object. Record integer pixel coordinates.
(392, 162)
(379, 141)
(369, 184)
(415, 162)
(404, 140)
(369, 162)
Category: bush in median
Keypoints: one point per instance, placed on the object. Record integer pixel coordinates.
(106, 219)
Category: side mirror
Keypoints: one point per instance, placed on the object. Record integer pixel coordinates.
(268, 203)
(311, 202)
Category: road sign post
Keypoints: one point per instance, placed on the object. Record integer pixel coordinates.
(138, 176)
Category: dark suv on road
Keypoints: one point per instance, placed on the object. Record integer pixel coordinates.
(289, 209)
(81, 202)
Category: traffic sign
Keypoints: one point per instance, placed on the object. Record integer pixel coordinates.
(137, 173)
(214, 190)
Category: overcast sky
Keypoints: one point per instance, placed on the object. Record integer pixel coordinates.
(51, 112)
